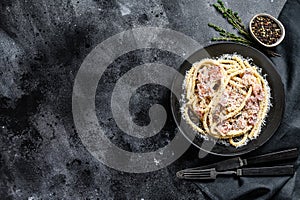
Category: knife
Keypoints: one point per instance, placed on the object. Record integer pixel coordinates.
(237, 162)
(209, 174)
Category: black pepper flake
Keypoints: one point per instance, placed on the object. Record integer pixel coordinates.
(266, 29)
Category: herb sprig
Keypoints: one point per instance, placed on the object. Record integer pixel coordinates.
(227, 36)
(235, 20)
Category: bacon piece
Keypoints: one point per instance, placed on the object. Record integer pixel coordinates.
(258, 92)
(215, 73)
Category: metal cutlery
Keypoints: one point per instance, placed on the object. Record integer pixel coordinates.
(238, 162)
(234, 166)
(210, 174)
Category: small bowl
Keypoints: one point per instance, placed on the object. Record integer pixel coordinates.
(276, 21)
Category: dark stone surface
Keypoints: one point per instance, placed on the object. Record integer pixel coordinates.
(42, 45)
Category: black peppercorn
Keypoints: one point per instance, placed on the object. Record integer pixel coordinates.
(266, 30)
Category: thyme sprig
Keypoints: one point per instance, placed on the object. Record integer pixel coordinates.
(235, 20)
(227, 36)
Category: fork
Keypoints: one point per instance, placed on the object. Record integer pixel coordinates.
(209, 174)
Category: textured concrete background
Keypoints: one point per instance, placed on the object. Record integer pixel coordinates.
(42, 45)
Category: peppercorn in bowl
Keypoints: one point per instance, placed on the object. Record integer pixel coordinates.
(266, 30)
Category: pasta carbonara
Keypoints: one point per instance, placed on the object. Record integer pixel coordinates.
(226, 98)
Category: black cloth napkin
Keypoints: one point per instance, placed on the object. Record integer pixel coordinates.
(288, 134)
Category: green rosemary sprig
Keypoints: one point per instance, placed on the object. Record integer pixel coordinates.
(234, 19)
(227, 36)
(230, 39)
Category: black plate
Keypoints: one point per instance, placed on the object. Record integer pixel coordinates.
(277, 98)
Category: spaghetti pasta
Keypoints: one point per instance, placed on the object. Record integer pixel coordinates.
(228, 97)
